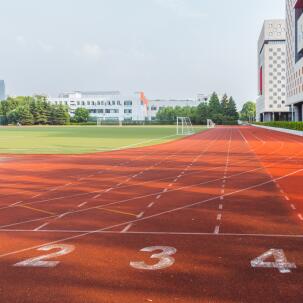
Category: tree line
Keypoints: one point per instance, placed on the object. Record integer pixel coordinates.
(222, 111)
(33, 111)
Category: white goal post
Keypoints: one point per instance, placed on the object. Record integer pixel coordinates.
(184, 126)
(210, 123)
(102, 121)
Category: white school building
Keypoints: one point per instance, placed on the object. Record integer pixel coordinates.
(112, 105)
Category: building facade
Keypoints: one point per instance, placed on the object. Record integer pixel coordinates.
(155, 105)
(294, 57)
(2, 90)
(112, 105)
(271, 103)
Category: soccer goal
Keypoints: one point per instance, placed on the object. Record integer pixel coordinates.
(184, 126)
(102, 121)
(210, 123)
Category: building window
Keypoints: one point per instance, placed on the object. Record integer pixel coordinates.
(128, 103)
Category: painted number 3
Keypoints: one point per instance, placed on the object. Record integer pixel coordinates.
(165, 258)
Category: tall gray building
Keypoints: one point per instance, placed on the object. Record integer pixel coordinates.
(271, 104)
(294, 57)
(2, 90)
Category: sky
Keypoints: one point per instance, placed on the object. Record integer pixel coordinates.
(166, 48)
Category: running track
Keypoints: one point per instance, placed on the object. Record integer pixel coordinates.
(205, 207)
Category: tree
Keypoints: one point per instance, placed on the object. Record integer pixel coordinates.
(231, 110)
(215, 108)
(248, 112)
(81, 115)
(21, 115)
(59, 115)
(224, 105)
(202, 113)
(25, 117)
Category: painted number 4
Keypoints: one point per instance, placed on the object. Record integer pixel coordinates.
(280, 263)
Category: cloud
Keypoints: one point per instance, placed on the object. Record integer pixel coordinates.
(46, 47)
(181, 8)
(91, 51)
(20, 40)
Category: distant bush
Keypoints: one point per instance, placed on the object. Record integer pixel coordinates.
(283, 124)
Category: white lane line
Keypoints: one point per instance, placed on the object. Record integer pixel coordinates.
(63, 215)
(67, 184)
(108, 190)
(53, 189)
(97, 196)
(143, 233)
(222, 191)
(221, 198)
(126, 228)
(202, 183)
(82, 204)
(221, 206)
(219, 217)
(37, 196)
(16, 203)
(287, 198)
(165, 190)
(151, 204)
(300, 217)
(217, 230)
(293, 206)
(140, 215)
(282, 191)
(41, 226)
(141, 219)
(170, 185)
(158, 197)
(176, 180)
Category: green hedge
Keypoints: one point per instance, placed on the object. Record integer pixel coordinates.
(283, 124)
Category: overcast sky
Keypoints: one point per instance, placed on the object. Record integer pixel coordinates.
(167, 48)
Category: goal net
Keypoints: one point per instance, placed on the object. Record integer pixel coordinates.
(210, 123)
(102, 121)
(184, 126)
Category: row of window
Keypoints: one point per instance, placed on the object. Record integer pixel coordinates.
(83, 103)
(271, 106)
(108, 111)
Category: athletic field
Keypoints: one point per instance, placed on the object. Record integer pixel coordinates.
(81, 139)
(216, 217)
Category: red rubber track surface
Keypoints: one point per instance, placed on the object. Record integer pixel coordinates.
(220, 198)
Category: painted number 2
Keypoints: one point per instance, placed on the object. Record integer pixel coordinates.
(41, 261)
(165, 258)
(280, 263)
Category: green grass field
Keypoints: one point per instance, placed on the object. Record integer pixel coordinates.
(81, 139)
